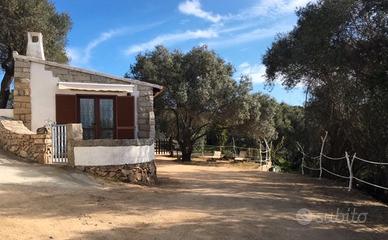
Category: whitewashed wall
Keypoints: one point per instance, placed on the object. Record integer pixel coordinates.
(43, 89)
(112, 155)
(6, 113)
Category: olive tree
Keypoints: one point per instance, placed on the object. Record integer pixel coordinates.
(199, 92)
(19, 17)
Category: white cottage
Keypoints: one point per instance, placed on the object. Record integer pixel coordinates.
(101, 122)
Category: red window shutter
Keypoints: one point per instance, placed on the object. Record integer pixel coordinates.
(125, 116)
(66, 109)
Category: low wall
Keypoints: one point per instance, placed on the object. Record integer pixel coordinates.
(127, 160)
(141, 173)
(107, 152)
(6, 113)
(18, 139)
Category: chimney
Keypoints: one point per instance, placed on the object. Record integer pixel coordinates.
(35, 45)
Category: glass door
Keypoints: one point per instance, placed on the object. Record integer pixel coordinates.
(87, 117)
(106, 126)
(97, 116)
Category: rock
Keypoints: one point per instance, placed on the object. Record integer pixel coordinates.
(13, 149)
(23, 154)
(112, 174)
(42, 130)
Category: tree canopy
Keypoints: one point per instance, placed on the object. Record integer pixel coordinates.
(338, 50)
(199, 94)
(19, 17)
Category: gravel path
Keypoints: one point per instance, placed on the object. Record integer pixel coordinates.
(191, 202)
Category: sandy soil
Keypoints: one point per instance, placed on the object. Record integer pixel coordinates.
(191, 202)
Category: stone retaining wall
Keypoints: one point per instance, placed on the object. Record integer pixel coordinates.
(19, 140)
(142, 173)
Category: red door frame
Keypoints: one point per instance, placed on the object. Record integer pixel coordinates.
(97, 128)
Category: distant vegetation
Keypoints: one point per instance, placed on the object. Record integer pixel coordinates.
(339, 52)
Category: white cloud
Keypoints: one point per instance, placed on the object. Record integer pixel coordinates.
(82, 56)
(256, 72)
(73, 54)
(171, 38)
(193, 7)
(253, 35)
(268, 8)
(272, 7)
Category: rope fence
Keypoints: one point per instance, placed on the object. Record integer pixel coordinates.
(262, 154)
(318, 160)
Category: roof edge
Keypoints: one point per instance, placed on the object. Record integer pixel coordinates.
(66, 66)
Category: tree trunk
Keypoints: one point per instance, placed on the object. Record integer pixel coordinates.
(5, 89)
(187, 150)
(8, 66)
(186, 156)
(171, 146)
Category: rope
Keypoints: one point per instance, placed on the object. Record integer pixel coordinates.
(374, 185)
(341, 176)
(332, 158)
(306, 155)
(313, 169)
(235, 147)
(377, 163)
(334, 173)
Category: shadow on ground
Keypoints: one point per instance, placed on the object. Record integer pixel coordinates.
(190, 202)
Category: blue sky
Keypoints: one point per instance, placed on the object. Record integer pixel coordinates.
(107, 35)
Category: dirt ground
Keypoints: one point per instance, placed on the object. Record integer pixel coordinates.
(191, 202)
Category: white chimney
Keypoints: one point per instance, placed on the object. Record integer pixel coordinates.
(35, 45)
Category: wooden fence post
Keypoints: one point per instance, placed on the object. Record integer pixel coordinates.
(260, 154)
(350, 167)
(300, 148)
(320, 155)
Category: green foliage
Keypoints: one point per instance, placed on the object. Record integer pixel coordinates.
(19, 17)
(289, 123)
(199, 92)
(339, 50)
(258, 122)
(202, 99)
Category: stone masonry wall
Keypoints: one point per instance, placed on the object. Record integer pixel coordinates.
(19, 140)
(145, 112)
(72, 75)
(142, 173)
(22, 97)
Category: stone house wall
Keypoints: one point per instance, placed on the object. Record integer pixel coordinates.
(19, 140)
(145, 99)
(22, 95)
(145, 112)
(72, 74)
(22, 92)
